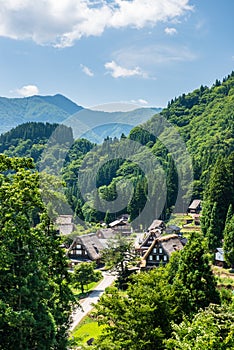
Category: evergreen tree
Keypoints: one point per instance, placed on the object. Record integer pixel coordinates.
(35, 299)
(172, 183)
(218, 191)
(195, 277)
(228, 244)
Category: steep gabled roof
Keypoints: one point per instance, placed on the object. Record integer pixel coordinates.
(156, 224)
(170, 244)
(106, 233)
(91, 243)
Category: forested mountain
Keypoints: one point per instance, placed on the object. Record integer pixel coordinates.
(30, 139)
(205, 122)
(53, 109)
(174, 307)
(60, 109)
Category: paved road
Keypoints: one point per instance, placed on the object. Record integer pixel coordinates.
(93, 297)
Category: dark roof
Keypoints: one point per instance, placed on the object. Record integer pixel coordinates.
(170, 243)
(156, 224)
(91, 243)
(152, 234)
(195, 204)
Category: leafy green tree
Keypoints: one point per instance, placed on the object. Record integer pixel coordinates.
(84, 273)
(211, 329)
(119, 256)
(194, 277)
(35, 298)
(228, 244)
(138, 319)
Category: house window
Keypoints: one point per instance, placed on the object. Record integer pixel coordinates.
(150, 257)
(85, 252)
(157, 257)
(78, 246)
(155, 250)
(160, 250)
(78, 251)
(165, 258)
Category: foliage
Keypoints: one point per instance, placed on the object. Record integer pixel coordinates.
(84, 273)
(35, 298)
(120, 256)
(228, 244)
(139, 319)
(211, 329)
(218, 196)
(194, 283)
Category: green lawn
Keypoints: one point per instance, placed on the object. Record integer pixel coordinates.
(87, 328)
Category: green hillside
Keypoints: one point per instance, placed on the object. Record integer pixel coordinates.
(205, 120)
(53, 109)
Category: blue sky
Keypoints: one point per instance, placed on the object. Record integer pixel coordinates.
(102, 51)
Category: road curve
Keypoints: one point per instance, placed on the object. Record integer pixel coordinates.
(86, 303)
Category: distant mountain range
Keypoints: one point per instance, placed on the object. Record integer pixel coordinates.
(94, 125)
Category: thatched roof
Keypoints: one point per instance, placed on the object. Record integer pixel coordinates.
(64, 219)
(91, 243)
(106, 233)
(65, 224)
(153, 234)
(156, 224)
(170, 244)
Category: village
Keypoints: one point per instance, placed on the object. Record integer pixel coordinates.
(154, 246)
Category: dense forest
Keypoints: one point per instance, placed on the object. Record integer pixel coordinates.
(182, 153)
(163, 163)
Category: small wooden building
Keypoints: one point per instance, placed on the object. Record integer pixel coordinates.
(195, 207)
(121, 225)
(170, 229)
(86, 248)
(160, 251)
(65, 224)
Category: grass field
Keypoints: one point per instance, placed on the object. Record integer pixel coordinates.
(87, 328)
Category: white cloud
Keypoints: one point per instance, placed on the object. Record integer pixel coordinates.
(61, 22)
(170, 31)
(140, 101)
(87, 70)
(120, 72)
(28, 90)
(153, 55)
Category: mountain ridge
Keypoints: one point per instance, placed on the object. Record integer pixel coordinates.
(60, 109)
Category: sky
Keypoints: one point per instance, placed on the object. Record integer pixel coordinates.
(94, 52)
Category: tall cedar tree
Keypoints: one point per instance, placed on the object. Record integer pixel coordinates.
(35, 299)
(219, 191)
(228, 244)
